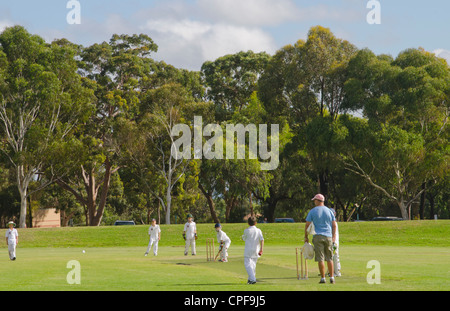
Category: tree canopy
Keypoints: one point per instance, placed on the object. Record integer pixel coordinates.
(88, 130)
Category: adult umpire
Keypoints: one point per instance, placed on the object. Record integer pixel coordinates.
(325, 227)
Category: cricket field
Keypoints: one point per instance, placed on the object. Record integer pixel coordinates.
(408, 256)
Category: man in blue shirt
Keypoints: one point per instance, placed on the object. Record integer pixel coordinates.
(325, 226)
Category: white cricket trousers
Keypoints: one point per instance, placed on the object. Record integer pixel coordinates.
(191, 243)
(155, 246)
(12, 250)
(250, 266)
(224, 252)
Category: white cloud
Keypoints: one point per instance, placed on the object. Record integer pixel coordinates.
(249, 12)
(187, 43)
(443, 54)
(271, 13)
(4, 24)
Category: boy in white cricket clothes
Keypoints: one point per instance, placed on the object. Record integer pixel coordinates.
(254, 243)
(12, 238)
(155, 235)
(224, 241)
(190, 235)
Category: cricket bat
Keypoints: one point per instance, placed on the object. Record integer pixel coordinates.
(218, 253)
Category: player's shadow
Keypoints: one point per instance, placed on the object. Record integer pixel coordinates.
(268, 279)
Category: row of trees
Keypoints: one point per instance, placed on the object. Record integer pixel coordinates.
(88, 130)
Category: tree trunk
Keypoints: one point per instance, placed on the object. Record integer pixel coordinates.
(271, 210)
(98, 212)
(228, 207)
(212, 206)
(168, 205)
(23, 209)
(93, 212)
(431, 200)
(159, 212)
(323, 183)
(422, 202)
(403, 209)
(22, 185)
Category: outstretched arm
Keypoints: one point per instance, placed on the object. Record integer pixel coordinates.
(306, 231)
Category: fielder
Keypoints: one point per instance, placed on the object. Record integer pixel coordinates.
(224, 241)
(155, 235)
(12, 239)
(254, 243)
(190, 235)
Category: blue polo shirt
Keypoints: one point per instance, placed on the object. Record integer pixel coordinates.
(321, 217)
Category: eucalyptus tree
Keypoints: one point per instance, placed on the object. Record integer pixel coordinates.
(230, 81)
(42, 101)
(115, 71)
(406, 103)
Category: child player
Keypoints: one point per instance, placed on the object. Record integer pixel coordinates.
(155, 235)
(12, 238)
(224, 241)
(254, 242)
(190, 235)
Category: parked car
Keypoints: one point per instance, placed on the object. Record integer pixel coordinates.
(279, 220)
(124, 223)
(386, 218)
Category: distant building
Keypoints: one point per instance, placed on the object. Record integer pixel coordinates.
(46, 218)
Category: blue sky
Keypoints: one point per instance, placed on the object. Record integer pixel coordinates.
(189, 32)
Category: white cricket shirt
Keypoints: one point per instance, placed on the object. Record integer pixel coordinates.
(153, 232)
(222, 236)
(12, 236)
(252, 237)
(190, 229)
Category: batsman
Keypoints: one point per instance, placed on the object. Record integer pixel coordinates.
(224, 241)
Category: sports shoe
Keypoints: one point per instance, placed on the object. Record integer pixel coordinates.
(251, 282)
(145, 254)
(332, 281)
(322, 281)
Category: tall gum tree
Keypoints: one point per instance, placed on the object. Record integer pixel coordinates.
(115, 71)
(41, 102)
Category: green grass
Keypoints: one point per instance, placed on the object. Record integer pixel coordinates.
(401, 233)
(414, 255)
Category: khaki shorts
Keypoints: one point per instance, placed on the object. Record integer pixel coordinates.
(323, 248)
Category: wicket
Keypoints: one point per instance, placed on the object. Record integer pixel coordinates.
(210, 249)
(303, 276)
